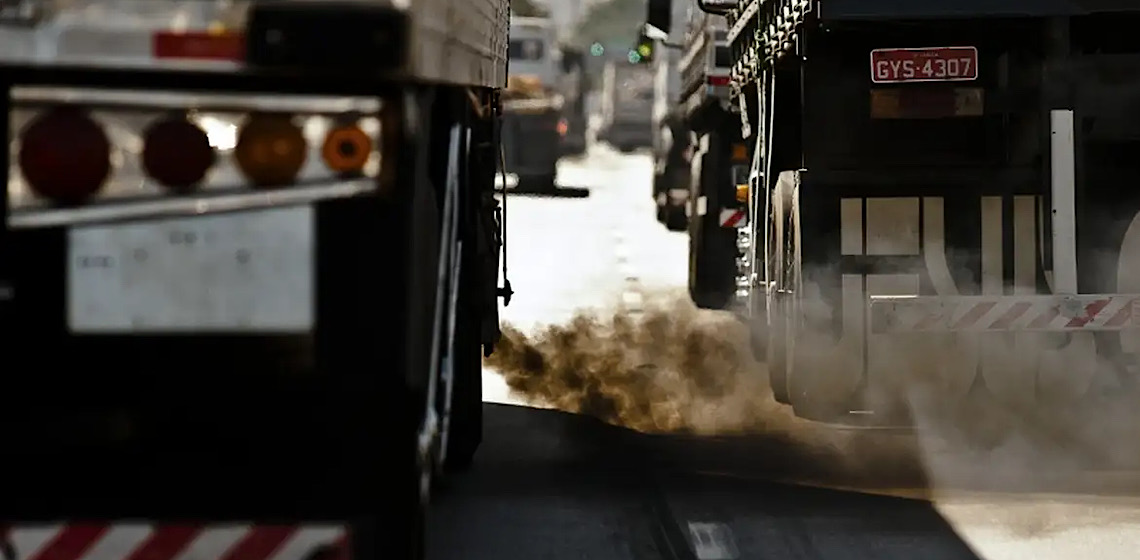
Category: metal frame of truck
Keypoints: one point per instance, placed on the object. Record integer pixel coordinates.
(316, 435)
(975, 214)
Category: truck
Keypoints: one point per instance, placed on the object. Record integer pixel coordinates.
(258, 243)
(575, 84)
(672, 142)
(716, 204)
(936, 200)
(533, 104)
(627, 105)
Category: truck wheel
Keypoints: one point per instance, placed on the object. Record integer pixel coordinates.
(675, 218)
(465, 431)
(812, 388)
(539, 183)
(776, 348)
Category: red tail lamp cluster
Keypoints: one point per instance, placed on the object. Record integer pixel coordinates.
(65, 156)
(177, 153)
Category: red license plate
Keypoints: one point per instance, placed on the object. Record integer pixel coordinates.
(198, 45)
(939, 64)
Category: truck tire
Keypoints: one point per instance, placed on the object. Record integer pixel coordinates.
(776, 348)
(545, 183)
(675, 218)
(465, 431)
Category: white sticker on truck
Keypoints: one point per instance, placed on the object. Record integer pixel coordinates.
(248, 271)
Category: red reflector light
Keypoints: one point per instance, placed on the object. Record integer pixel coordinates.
(177, 153)
(65, 156)
(927, 103)
(271, 150)
(198, 45)
(717, 80)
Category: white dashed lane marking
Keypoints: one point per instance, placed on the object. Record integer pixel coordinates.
(631, 296)
(712, 541)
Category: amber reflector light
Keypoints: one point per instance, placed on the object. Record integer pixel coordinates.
(271, 150)
(346, 149)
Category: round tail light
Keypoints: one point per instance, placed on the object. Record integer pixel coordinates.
(271, 150)
(346, 149)
(177, 153)
(65, 156)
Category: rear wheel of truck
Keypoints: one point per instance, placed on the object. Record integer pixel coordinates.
(778, 262)
(674, 217)
(544, 183)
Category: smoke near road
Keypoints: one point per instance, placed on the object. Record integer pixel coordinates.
(678, 370)
(670, 368)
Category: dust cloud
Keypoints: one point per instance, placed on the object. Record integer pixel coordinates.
(674, 369)
(670, 368)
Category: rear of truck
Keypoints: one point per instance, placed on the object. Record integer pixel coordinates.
(942, 194)
(219, 266)
(628, 118)
(575, 83)
(533, 105)
(672, 144)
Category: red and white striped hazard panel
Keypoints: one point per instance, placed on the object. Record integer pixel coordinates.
(128, 541)
(733, 217)
(1045, 313)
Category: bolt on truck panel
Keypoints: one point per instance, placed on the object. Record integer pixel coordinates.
(238, 248)
(931, 175)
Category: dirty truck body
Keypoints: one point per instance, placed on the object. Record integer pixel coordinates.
(247, 272)
(532, 106)
(940, 191)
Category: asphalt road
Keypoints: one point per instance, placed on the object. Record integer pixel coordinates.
(554, 485)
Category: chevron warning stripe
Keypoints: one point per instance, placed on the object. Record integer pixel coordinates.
(142, 541)
(1047, 313)
(733, 217)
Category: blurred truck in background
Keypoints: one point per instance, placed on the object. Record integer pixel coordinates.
(627, 105)
(252, 244)
(533, 121)
(939, 196)
(574, 84)
(720, 162)
(672, 142)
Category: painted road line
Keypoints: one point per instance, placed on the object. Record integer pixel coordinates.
(712, 541)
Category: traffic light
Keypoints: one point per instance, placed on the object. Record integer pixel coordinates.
(644, 49)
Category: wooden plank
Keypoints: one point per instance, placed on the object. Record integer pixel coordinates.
(459, 42)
